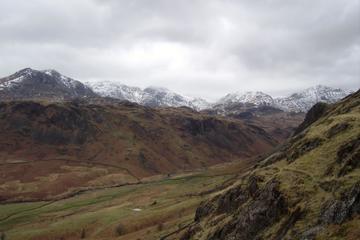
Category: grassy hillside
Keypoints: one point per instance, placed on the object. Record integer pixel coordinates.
(53, 150)
(309, 189)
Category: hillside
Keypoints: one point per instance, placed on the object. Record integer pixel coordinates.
(309, 189)
(105, 142)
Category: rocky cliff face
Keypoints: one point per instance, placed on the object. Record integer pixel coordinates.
(309, 189)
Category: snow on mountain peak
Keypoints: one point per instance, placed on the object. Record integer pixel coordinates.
(304, 100)
(152, 96)
(47, 81)
(257, 98)
(117, 90)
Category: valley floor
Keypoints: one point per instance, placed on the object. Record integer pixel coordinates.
(155, 209)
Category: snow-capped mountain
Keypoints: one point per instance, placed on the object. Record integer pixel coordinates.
(162, 97)
(200, 104)
(48, 84)
(150, 96)
(116, 90)
(236, 102)
(304, 100)
(256, 98)
(296, 102)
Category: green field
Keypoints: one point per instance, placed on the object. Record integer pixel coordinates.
(145, 211)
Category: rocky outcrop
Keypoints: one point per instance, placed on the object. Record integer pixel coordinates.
(302, 147)
(316, 112)
(337, 128)
(252, 208)
(265, 209)
(339, 210)
(348, 156)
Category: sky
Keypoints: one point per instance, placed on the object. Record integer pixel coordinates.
(202, 48)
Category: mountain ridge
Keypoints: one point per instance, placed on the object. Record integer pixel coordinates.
(301, 101)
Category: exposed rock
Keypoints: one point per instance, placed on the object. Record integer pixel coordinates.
(51, 124)
(311, 233)
(222, 203)
(200, 127)
(289, 223)
(349, 156)
(330, 186)
(316, 112)
(272, 159)
(304, 146)
(336, 129)
(265, 208)
(338, 211)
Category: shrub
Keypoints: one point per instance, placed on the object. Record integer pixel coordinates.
(120, 230)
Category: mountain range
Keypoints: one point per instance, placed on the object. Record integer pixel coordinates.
(50, 84)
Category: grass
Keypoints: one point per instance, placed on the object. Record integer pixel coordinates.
(165, 206)
(300, 180)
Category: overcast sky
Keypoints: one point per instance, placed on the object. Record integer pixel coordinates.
(201, 48)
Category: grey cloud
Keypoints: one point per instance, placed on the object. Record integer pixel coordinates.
(202, 47)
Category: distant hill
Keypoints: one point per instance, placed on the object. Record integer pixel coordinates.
(81, 142)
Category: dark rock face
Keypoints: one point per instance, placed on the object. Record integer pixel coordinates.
(264, 210)
(349, 156)
(338, 211)
(338, 128)
(289, 223)
(242, 115)
(264, 207)
(317, 111)
(230, 201)
(58, 124)
(201, 127)
(304, 146)
(222, 204)
(226, 136)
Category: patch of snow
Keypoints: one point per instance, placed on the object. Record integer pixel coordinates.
(11, 83)
(304, 100)
(257, 98)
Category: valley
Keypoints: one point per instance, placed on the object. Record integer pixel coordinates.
(157, 207)
(180, 120)
(78, 165)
